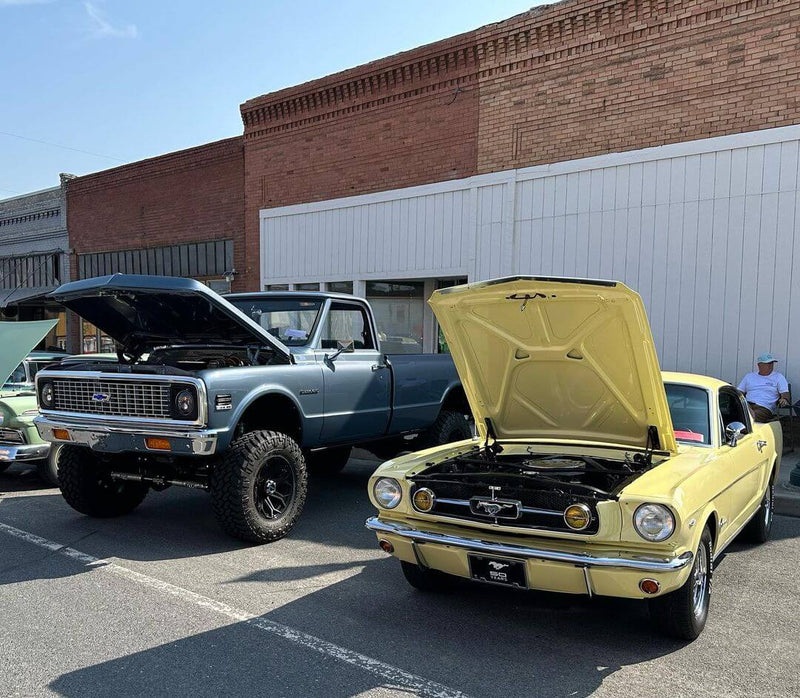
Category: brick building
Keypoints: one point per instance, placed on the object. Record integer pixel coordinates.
(179, 214)
(655, 141)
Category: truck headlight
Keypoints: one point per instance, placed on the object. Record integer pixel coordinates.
(654, 522)
(47, 395)
(185, 403)
(388, 492)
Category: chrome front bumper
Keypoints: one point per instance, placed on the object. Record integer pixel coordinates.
(120, 439)
(23, 452)
(632, 562)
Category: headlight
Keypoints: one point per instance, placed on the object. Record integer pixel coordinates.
(184, 403)
(654, 522)
(387, 492)
(47, 395)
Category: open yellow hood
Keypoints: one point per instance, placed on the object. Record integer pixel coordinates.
(557, 358)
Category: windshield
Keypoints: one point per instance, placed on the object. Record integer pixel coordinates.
(17, 379)
(688, 407)
(291, 320)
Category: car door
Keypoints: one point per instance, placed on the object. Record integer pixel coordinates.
(745, 460)
(357, 385)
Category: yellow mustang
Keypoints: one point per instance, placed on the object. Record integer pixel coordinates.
(592, 472)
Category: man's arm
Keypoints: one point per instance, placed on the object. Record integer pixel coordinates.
(783, 389)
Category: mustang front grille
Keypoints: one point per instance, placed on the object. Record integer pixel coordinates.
(114, 398)
(11, 436)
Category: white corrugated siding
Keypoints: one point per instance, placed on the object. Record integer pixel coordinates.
(706, 232)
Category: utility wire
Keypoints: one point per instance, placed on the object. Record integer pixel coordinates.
(57, 145)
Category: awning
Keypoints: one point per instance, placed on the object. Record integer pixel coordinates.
(23, 295)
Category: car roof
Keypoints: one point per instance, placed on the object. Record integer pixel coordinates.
(706, 382)
(47, 355)
(316, 295)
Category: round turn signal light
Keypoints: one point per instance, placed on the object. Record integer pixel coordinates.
(423, 499)
(578, 516)
(649, 586)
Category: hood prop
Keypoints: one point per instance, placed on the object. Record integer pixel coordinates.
(494, 448)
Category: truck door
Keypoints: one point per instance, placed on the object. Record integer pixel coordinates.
(357, 385)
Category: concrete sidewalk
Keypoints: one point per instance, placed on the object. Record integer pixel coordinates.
(787, 497)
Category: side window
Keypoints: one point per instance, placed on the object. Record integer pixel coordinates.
(347, 322)
(731, 408)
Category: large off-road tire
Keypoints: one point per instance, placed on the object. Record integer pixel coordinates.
(683, 613)
(758, 530)
(48, 468)
(87, 488)
(449, 426)
(426, 579)
(258, 489)
(329, 461)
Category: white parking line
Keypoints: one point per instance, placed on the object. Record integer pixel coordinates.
(394, 676)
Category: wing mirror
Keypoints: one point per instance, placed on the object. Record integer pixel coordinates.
(733, 433)
(343, 347)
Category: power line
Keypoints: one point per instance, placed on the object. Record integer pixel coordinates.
(57, 145)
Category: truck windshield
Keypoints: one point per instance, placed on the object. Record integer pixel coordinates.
(291, 320)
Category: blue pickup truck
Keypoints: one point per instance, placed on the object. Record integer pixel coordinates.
(237, 395)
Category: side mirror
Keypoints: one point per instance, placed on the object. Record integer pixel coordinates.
(343, 347)
(733, 433)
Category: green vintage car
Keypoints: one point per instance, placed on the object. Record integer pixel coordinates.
(19, 439)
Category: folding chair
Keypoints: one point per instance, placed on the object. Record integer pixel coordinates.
(786, 416)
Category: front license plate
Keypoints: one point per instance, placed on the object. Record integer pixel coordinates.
(498, 570)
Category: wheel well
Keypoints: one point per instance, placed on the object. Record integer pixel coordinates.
(713, 528)
(774, 473)
(456, 401)
(272, 412)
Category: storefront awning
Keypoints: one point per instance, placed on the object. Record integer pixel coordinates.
(23, 295)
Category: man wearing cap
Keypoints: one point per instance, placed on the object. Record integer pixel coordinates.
(766, 389)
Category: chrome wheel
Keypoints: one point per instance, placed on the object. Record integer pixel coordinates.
(700, 579)
(767, 505)
(274, 487)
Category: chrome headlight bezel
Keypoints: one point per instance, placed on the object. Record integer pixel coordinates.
(387, 486)
(651, 514)
(47, 394)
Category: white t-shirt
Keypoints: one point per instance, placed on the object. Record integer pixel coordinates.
(764, 390)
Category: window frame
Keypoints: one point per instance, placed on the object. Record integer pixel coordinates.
(357, 305)
(737, 394)
(714, 439)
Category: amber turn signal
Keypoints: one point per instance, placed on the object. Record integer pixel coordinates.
(578, 517)
(424, 499)
(61, 434)
(649, 586)
(155, 444)
(386, 546)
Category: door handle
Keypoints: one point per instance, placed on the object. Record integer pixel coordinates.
(378, 367)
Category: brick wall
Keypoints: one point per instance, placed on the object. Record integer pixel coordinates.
(193, 195)
(574, 79)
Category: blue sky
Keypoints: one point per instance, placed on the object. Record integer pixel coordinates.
(130, 79)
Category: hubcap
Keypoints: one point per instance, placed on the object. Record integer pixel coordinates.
(274, 487)
(700, 576)
(767, 504)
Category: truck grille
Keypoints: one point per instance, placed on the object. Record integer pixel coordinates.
(11, 436)
(114, 398)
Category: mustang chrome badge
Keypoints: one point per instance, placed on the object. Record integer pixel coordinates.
(101, 397)
(492, 506)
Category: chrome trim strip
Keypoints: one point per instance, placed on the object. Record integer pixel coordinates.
(465, 503)
(642, 563)
(202, 397)
(23, 452)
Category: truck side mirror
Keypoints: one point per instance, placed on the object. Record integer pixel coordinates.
(733, 433)
(343, 347)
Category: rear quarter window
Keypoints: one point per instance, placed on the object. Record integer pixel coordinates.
(690, 412)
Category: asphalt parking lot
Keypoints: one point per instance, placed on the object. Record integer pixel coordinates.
(162, 603)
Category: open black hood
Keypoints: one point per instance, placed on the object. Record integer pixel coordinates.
(143, 312)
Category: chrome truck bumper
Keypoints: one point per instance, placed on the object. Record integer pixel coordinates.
(120, 439)
(23, 452)
(629, 561)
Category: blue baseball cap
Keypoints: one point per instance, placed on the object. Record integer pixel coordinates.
(766, 358)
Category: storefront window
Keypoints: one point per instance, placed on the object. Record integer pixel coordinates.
(276, 287)
(94, 341)
(306, 287)
(399, 308)
(341, 287)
